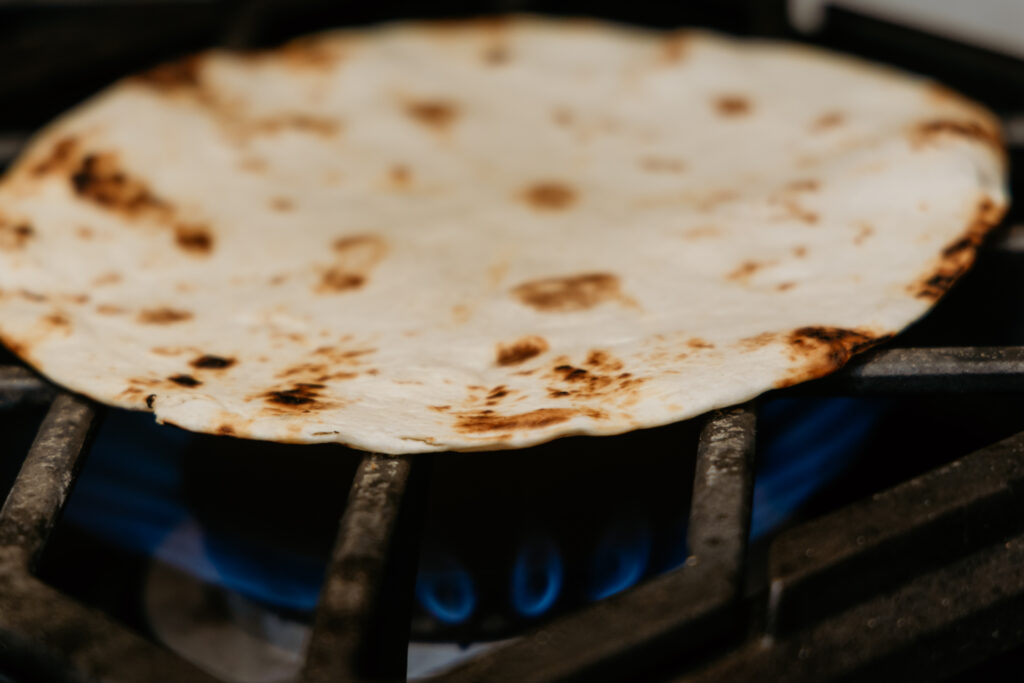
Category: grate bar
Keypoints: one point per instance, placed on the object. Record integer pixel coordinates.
(43, 634)
(20, 385)
(352, 593)
(893, 535)
(918, 370)
(720, 514)
(936, 625)
(42, 485)
(692, 605)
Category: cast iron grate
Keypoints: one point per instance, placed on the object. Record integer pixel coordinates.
(892, 551)
(942, 550)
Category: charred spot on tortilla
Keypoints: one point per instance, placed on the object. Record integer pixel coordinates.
(521, 350)
(150, 400)
(488, 421)
(732, 105)
(972, 130)
(675, 47)
(176, 75)
(301, 394)
(211, 362)
(15, 235)
(99, 180)
(185, 380)
(163, 316)
(193, 239)
(59, 156)
(549, 195)
(436, 114)
(821, 350)
(957, 257)
(568, 294)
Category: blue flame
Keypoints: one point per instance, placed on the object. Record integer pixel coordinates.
(620, 558)
(445, 589)
(536, 576)
(808, 443)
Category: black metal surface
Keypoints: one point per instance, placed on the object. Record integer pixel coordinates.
(346, 627)
(44, 635)
(876, 543)
(685, 609)
(922, 370)
(19, 386)
(932, 577)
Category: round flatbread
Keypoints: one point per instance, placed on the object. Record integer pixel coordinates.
(478, 235)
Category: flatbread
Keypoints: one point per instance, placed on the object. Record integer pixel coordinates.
(480, 235)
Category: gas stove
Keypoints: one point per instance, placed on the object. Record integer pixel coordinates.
(872, 530)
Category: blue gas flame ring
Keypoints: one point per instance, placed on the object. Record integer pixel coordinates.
(620, 558)
(536, 576)
(445, 589)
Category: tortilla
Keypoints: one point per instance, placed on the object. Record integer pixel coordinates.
(485, 234)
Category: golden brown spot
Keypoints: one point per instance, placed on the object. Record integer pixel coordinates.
(193, 239)
(521, 350)
(732, 105)
(303, 123)
(795, 211)
(56, 320)
(863, 234)
(827, 120)
(487, 421)
(253, 165)
(110, 309)
(785, 286)
(84, 233)
(698, 343)
(800, 251)
(180, 74)
(566, 294)
(437, 114)
(211, 362)
(972, 130)
(400, 175)
(563, 117)
(282, 204)
(958, 256)
(163, 316)
(106, 279)
(757, 341)
(662, 165)
(15, 235)
(746, 270)
(602, 378)
(226, 430)
(496, 55)
(355, 257)
(821, 350)
(57, 159)
(185, 380)
(440, 409)
(549, 196)
(806, 185)
(675, 47)
(99, 180)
